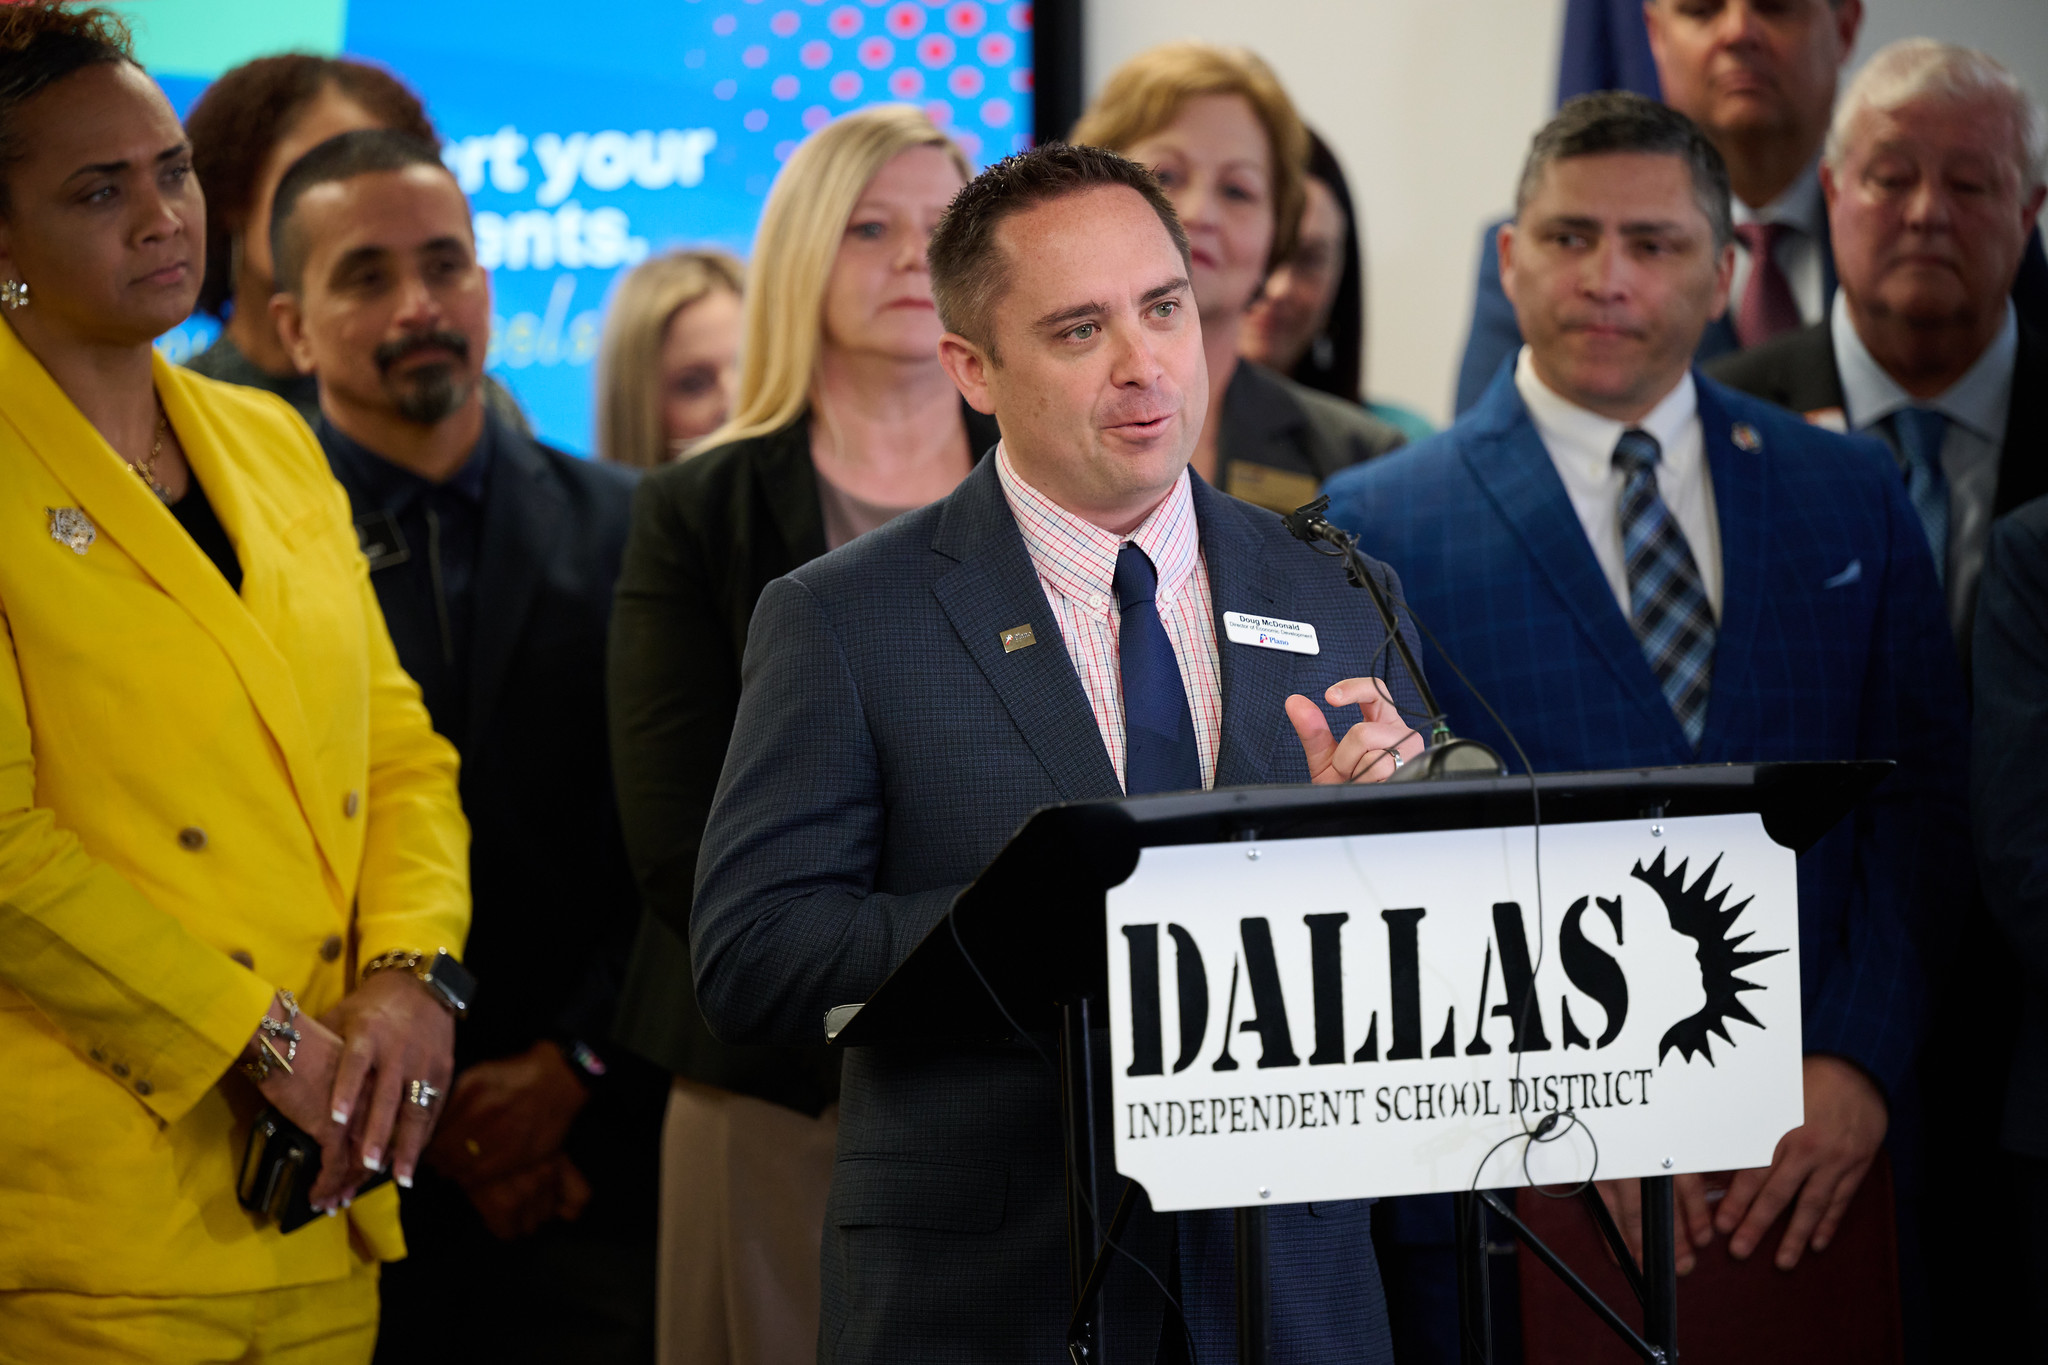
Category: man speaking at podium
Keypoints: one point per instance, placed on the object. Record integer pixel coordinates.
(1065, 626)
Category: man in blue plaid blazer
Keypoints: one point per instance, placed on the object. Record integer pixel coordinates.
(1637, 567)
(909, 700)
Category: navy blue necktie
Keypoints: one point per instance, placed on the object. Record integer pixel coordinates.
(1668, 604)
(1159, 730)
(1160, 756)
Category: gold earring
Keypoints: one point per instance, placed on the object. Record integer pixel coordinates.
(13, 294)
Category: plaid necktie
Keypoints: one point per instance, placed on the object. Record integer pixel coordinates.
(1919, 434)
(1667, 600)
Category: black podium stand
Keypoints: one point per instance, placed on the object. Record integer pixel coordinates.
(1032, 924)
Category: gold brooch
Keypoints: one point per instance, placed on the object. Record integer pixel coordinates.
(69, 526)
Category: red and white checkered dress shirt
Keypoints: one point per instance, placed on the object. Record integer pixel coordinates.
(1076, 563)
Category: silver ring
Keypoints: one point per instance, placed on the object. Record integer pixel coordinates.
(421, 1094)
(1398, 760)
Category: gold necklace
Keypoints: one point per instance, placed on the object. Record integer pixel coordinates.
(146, 471)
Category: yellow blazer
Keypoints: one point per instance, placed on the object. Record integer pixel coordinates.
(203, 796)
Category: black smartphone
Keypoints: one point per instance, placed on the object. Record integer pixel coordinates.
(280, 1166)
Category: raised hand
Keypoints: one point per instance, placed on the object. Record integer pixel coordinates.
(1366, 753)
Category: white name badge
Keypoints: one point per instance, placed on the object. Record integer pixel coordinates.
(1270, 632)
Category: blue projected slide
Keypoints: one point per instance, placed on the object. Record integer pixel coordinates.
(589, 135)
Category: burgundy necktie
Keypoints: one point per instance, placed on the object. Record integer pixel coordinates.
(1767, 308)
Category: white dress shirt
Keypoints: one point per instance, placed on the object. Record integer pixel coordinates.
(1976, 407)
(1581, 446)
(1803, 210)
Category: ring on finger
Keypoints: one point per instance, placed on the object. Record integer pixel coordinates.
(421, 1094)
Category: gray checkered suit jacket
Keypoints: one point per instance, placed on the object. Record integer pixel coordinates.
(886, 747)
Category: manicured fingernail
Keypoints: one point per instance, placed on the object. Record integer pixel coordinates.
(405, 1181)
(340, 1114)
(345, 1203)
(373, 1159)
(330, 1210)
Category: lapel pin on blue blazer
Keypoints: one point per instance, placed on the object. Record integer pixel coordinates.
(1018, 637)
(1746, 438)
(69, 526)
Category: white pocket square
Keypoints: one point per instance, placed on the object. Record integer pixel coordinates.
(1852, 574)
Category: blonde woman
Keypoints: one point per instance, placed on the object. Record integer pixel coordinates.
(1215, 125)
(844, 420)
(669, 365)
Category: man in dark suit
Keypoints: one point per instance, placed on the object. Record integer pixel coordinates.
(531, 1231)
(2009, 810)
(1759, 80)
(1054, 630)
(1637, 567)
(1933, 187)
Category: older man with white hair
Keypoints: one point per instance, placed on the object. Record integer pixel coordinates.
(1933, 175)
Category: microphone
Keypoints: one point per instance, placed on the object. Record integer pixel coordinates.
(1445, 755)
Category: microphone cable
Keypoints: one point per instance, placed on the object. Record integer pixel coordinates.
(1309, 525)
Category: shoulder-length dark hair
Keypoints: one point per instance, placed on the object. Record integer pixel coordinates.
(244, 114)
(1335, 359)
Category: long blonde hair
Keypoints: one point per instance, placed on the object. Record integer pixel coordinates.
(629, 424)
(794, 248)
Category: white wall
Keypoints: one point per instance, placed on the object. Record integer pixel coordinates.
(1430, 105)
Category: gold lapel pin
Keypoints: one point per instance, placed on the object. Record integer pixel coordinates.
(69, 526)
(1746, 438)
(1018, 637)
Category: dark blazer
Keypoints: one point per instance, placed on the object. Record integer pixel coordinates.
(1278, 440)
(1798, 371)
(2009, 791)
(555, 903)
(861, 793)
(1833, 644)
(709, 533)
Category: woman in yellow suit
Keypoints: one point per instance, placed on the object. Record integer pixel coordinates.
(219, 795)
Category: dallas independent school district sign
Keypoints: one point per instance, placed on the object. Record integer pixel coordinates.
(1318, 1019)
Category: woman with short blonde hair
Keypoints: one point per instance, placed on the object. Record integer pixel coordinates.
(1217, 128)
(667, 365)
(844, 419)
(1147, 93)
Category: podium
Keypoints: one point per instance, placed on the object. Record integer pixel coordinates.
(1028, 947)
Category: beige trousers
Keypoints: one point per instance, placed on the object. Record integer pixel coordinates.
(743, 1186)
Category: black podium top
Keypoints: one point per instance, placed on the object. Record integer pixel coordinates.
(1033, 919)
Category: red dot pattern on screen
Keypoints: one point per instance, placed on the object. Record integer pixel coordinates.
(950, 55)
